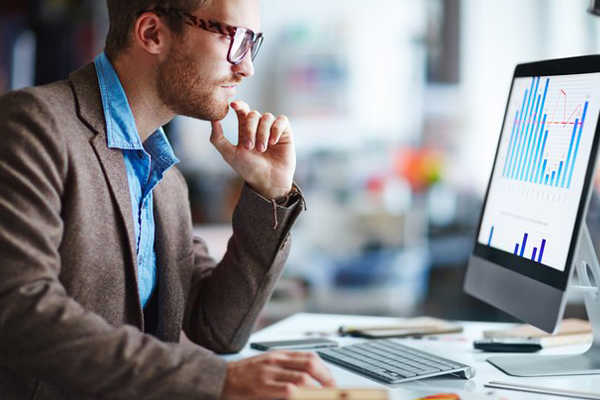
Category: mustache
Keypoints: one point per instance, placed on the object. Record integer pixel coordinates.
(231, 81)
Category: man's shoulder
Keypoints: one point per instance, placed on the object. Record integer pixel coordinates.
(58, 98)
(37, 101)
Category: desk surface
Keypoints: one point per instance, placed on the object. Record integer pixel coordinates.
(455, 346)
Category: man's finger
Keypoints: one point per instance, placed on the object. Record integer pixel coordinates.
(263, 132)
(311, 364)
(298, 378)
(280, 127)
(247, 134)
(241, 108)
(218, 139)
(280, 390)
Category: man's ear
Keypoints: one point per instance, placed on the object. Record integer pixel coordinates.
(150, 33)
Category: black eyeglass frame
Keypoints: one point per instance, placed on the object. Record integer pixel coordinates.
(221, 28)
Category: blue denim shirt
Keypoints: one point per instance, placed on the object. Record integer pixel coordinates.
(145, 165)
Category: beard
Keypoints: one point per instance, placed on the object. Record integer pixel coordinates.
(185, 91)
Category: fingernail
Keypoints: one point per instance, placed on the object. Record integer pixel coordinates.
(248, 144)
(260, 147)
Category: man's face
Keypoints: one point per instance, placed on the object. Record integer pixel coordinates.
(195, 79)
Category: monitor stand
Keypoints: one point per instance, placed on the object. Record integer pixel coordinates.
(588, 272)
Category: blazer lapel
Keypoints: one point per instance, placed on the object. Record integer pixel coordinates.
(90, 110)
(170, 292)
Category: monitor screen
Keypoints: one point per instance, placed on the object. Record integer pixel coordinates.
(532, 229)
(539, 189)
(538, 179)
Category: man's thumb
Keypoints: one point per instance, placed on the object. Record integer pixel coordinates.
(218, 139)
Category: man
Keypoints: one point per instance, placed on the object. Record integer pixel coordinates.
(99, 270)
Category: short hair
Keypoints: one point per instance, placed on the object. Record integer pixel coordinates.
(122, 15)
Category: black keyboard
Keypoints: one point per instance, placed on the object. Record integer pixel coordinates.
(390, 362)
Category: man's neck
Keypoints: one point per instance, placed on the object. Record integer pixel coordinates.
(148, 111)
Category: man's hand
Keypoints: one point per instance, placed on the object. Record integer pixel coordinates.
(264, 156)
(274, 375)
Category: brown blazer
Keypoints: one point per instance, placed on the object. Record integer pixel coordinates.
(71, 324)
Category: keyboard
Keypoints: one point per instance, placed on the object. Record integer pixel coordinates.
(390, 362)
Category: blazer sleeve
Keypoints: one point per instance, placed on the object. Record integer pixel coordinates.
(225, 299)
(45, 334)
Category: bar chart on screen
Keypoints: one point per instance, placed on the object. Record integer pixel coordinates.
(534, 252)
(540, 166)
(546, 134)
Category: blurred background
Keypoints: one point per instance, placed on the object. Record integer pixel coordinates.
(396, 105)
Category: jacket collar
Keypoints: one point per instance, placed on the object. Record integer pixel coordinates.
(89, 109)
(87, 98)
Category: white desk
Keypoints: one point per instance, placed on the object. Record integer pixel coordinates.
(456, 346)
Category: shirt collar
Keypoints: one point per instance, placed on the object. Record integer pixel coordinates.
(121, 131)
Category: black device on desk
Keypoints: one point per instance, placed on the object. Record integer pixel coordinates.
(299, 344)
(512, 345)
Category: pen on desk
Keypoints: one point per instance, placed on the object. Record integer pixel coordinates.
(543, 390)
(441, 396)
(441, 338)
(349, 330)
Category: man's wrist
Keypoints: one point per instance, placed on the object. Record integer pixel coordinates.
(273, 193)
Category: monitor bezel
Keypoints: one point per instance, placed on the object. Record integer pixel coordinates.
(548, 275)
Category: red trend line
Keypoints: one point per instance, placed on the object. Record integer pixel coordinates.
(562, 92)
(565, 120)
(565, 113)
(573, 113)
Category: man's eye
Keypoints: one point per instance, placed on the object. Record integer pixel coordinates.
(226, 37)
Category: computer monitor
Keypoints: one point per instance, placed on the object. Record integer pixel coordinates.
(532, 233)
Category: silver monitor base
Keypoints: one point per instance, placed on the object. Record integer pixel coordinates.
(539, 365)
(588, 272)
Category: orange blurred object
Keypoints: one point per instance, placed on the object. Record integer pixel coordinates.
(420, 167)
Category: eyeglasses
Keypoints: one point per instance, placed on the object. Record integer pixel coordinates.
(242, 39)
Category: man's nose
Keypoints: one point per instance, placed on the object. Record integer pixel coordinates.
(246, 67)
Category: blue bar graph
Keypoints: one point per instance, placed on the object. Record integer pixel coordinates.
(531, 137)
(527, 156)
(523, 245)
(491, 234)
(538, 134)
(536, 153)
(522, 125)
(510, 146)
(560, 167)
(520, 249)
(543, 170)
(540, 165)
(517, 136)
(577, 145)
(570, 151)
(530, 124)
(542, 250)
(526, 119)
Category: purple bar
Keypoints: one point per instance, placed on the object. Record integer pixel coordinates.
(523, 245)
(542, 250)
(516, 248)
(534, 253)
